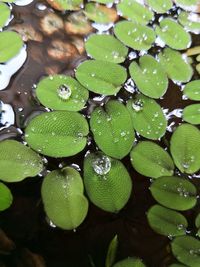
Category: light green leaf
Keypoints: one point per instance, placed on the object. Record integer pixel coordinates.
(107, 182)
(112, 128)
(174, 192)
(57, 133)
(148, 118)
(197, 224)
(187, 250)
(188, 5)
(112, 252)
(151, 160)
(130, 262)
(192, 90)
(160, 6)
(191, 114)
(175, 66)
(66, 4)
(190, 21)
(101, 77)
(149, 76)
(6, 197)
(166, 222)
(18, 162)
(136, 36)
(185, 147)
(62, 195)
(106, 47)
(5, 14)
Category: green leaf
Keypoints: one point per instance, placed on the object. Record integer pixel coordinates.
(101, 77)
(185, 147)
(106, 47)
(136, 36)
(192, 90)
(190, 21)
(107, 182)
(174, 192)
(175, 66)
(131, 9)
(160, 6)
(191, 114)
(62, 195)
(197, 224)
(57, 133)
(148, 118)
(5, 14)
(151, 160)
(112, 252)
(112, 128)
(149, 76)
(66, 4)
(173, 34)
(130, 262)
(177, 265)
(188, 5)
(104, 1)
(166, 222)
(61, 92)
(6, 197)
(187, 250)
(10, 45)
(18, 161)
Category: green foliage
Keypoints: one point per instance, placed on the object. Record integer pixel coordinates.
(166, 222)
(151, 160)
(175, 66)
(149, 77)
(61, 92)
(130, 262)
(107, 182)
(67, 4)
(62, 195)
(101, 77)
(18, 161)
(185, 147)
(112, 128)
(197, 224)
(191, 114)
(5, 14)
(187, 20)
(148, 118)
(187, 250)
(57, 133)
(112, 252)
(174, 192)
(106, 47)
(160, 6)
(6, 197)
(177, 265)
(134, 35)
(187, 4)
(192, 90)
(10, 45)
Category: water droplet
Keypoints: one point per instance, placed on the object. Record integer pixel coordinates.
(64, 92)
(101, 165)
(137, 105)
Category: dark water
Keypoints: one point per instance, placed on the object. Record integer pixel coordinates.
(25, 222)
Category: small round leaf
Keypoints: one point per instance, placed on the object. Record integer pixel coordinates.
(5, 14)
(130, 262)
(190, 21)
(191, 114)
(192, 90)
(160, 6)
(6, 197)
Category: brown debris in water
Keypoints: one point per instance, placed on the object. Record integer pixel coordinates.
(51, 23)
(27, 32)
(6, 244)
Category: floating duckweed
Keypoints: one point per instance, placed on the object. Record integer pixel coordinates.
(101, 165)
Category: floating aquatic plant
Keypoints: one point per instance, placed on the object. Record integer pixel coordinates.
(191, 114)
(6, 197)
(129, 262)
(192, 90)
(160, 6)
(5, 14)
(190, 21)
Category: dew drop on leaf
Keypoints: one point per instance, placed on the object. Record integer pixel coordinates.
(64, 92)
(101, 165)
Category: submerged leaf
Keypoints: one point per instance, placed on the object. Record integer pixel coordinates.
(192, 90)
(160, 6)
(6, 197)
(191, 114)
(130, 262)
(5, 14)
(65, 4)
(112, 252)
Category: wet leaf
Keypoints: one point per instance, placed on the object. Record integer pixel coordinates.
(57, 133)
(175, 66)
(131, 9)
(136, 36)
(191, 114)
(166, 222)
(5, 14)
(62, 195)
(151, 160)
(188, 5)
(112, 128)
(149, 77)
(65, 4)
(160, 6)
(197, 224)
(174, 192)
(112, 252)
(190, 21)
(173, 34)
(192, 90)
(148, 118)
(6, 197)
(101, 77)
(185, 147)
(106, 47)
(130, 262)
(61, 92)
(107, 182)
(10, 45)
(187, 250)
(18, 161)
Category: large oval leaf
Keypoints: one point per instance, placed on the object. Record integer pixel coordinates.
(174, 193)
(185, 147)
(129, 262)
(160, 6)
(134, 35)
(191, 114)
(106, 47)
(112, 128)
(62, 195)
(101, 77)
(149, 77)
(187, 250)
(6, 197)
(192, 90)
(62, 93)
(148, 118)
(107, 182)
(5, 14)
(18, 161)
(166, 222)
(151, 160)
(57, 133)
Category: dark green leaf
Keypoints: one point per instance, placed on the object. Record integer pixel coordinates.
(112, 252)
(130, 262)
(6, 197)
